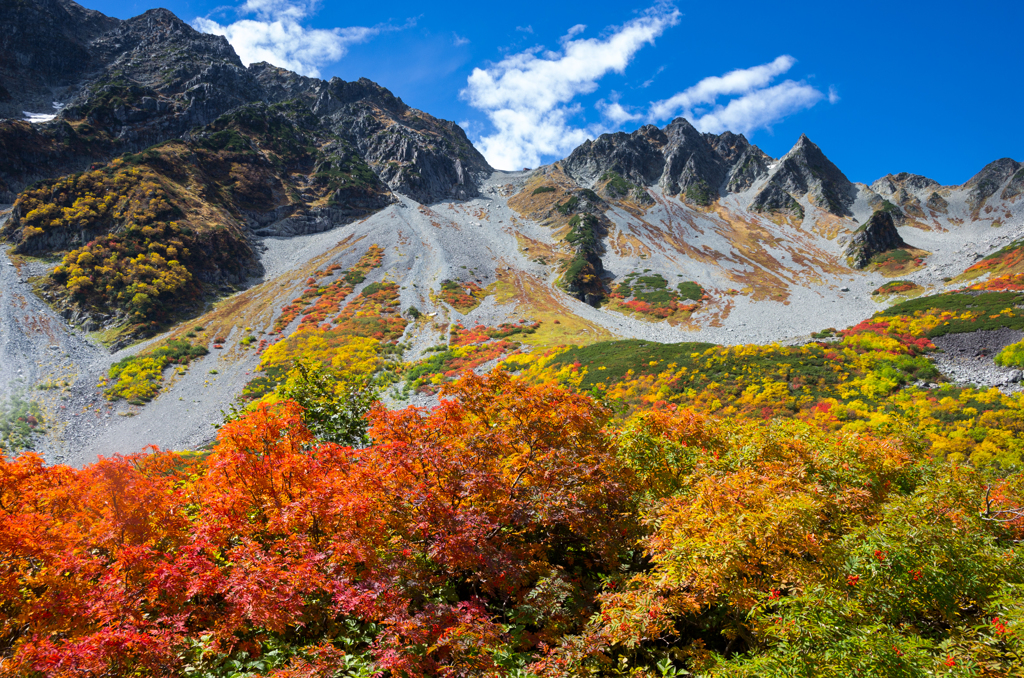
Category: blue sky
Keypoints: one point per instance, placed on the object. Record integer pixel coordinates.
(926, 87)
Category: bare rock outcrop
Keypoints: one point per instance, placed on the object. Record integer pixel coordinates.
(128, 85)
(679, 159)
(989, 180)
(805, 171)
(878, 234)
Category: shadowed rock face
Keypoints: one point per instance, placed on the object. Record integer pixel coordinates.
(1015, 187)
(677, 158)
(986, 182)
(637, 157)
(131, 84)
(906, 191)
(806, 171)
(773, 198)
(877, 235)
(44, 49)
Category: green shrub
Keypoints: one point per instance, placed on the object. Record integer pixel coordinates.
(1012, 355)
(20, 420)
(569, 206)
(699, 194)
(988, 306)
(690, 290)
(372, 289)
(896, 256)
(616, 185)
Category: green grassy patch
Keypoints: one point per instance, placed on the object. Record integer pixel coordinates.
(989, 311)
(568, 207)
(809, 373)
(619, 357)
(20, 421)
(138, 378)
(690, 290)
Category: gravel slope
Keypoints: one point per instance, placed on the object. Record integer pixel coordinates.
(474, 240)
(38, 348)
(968, 358)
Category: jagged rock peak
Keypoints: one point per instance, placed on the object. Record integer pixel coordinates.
(636, 157)
(153, 77)
(892, 183)
(991, 177)
(878, 234)
(805, 170)
(44, 47)
(678, 158)
(692, 166)
(997, 170)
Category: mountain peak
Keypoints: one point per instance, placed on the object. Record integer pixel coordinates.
(683, 125)
(678, 158)
(998, 170)
(160, 14)
(806, 170)
(986, 182)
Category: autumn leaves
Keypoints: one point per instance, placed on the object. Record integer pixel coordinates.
(514, 530)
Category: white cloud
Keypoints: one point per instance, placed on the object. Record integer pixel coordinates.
(277, 35)
(574, 31)
(758, 104)
(525, 29)
(740, 81)
(833, 94)
(759, 109)
(458, 40)
(615, 112)
(526, 97)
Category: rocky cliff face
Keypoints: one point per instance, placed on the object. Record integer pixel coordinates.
(678, 159)
(154, 108)
(45, 52)
(877, 235)
(904, 190)
(805, 171)
(988, 181)
(130, 84)
(637, 157)
(925, 199)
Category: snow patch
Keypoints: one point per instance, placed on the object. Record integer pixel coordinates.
(37, 118)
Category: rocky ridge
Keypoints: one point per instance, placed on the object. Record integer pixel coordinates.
(152, 78)
(678, 159)
(806, 171)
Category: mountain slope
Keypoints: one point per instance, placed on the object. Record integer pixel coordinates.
(259, 215)
(153, 78)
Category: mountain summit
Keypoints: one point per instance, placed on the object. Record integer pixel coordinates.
(121, 86)
(677, 159)
(805, 171)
